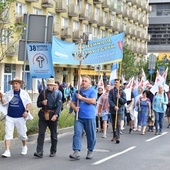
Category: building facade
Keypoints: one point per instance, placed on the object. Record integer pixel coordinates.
(159, 26)
(72, 18)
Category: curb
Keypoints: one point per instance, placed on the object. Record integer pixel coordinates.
(33, 137)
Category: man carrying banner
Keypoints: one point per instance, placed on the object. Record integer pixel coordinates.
(116, 102)
(86, 118)
(50, 102)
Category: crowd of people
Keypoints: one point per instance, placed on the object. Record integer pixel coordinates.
(94, 108)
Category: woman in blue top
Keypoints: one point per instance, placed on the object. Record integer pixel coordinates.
(159, 105)
(144, 106)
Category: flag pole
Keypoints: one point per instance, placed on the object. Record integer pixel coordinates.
(117, 101)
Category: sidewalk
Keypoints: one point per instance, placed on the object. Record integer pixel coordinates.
(33, 137)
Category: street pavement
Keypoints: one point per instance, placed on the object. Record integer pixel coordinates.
(135, 152)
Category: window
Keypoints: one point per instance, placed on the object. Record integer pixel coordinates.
(85, 28)
(76, 25)
(163, 9)
(37, 11)
(64, 22)
(20, 8)
(4, 36)
(89, 7)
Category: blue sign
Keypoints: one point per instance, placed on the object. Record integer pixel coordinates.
(101, 51)
(40, 60)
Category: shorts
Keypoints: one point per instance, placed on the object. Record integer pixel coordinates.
(105, 117)
(19, 123)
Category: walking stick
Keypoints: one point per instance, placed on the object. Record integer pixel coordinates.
(117, 102)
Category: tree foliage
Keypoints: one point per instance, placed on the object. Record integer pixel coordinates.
(9, 30)
(131, 65)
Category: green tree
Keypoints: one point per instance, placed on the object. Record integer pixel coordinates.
(131, 65)
(10, 32)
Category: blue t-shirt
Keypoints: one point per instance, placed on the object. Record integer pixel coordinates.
(16, 107)
(86, 111)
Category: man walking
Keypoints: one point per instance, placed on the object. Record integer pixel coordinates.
(116, 102)
(50, 102)
(18, 102)
(86, 118)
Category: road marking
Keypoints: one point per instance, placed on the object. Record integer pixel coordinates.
(148, 140)
(101, 150)
(112, 156)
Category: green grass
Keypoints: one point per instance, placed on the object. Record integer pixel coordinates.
(66, 120)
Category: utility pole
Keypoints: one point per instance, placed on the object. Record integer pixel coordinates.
(151, 65)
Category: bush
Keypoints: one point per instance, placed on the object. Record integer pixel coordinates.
(66, 120)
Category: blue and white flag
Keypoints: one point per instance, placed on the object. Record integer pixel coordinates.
(113, 74)
(101, 51)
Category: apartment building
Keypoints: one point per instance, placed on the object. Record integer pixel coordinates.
(72, 18)
(159, 28)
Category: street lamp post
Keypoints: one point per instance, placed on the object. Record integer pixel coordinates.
(151, 65)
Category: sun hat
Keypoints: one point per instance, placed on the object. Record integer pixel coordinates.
(16, 79)
(51, 81)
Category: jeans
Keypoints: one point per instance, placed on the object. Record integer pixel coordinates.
(89, 125)
(43, 124)
(159, 120)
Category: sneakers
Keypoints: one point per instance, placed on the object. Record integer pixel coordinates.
(38, 155)
(75, 155)
(121, 132)
(104, 136)
(24, 150)
(52, 154)
(6, 154)
(89, 155)
(130, 131)
(156, 133)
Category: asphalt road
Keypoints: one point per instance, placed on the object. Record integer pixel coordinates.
(135, 152)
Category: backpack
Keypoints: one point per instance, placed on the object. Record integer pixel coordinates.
(168, 99)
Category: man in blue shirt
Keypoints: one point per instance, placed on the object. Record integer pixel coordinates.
(86, 118)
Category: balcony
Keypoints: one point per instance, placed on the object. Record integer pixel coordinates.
(135, 17)
(101, 21)
(119, 27)
(76, 35)
(66, 32)
(31, 0)
(97, 1)
(11, 49)
(92, 18)
(84, 14)
(105, 3)
(56, 29)
(139, 35)
(143, 50)
(119, 10)
(61, 6)
(47, 3)
(109, 23)
(139, 4)
(73, 10)
(134, 2)
(113, 6)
